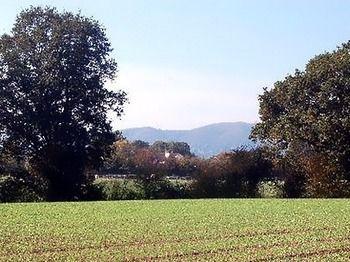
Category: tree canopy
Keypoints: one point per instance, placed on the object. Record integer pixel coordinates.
(309, 112)
(173, 147)
(53, 99)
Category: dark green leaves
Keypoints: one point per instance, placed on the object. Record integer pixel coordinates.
(53, 70)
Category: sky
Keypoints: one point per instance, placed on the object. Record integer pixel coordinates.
(188, 63)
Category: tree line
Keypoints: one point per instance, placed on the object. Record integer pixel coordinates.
(56, 133)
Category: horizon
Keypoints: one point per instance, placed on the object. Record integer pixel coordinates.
(184, 67)
(205, 125)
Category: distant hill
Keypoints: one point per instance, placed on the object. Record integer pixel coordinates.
(205, 141)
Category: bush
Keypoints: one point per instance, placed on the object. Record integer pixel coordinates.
(117, 189)
(128, 189)
(17, 185)
(271, 189)
(323, 178)
(233, 174)
(290, 171)
(164, 189)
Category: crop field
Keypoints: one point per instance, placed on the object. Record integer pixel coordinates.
(177, 230)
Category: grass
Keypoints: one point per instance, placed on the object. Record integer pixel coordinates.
(176, 230)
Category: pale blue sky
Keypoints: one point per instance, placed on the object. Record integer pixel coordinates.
(186, 63)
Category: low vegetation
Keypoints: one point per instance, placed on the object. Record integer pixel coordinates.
(181, 230)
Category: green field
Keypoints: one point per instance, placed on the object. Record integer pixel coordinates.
(179, 230)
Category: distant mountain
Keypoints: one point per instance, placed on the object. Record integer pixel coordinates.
(205, 141)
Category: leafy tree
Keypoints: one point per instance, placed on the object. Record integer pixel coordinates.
(180, 166)
(172, 147)
(140, 144)
(232, 174)
(308, 113)
(148, 163)
(121, 158)
(53, 100)
(138, 157)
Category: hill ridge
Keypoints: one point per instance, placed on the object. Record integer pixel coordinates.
(205, 141)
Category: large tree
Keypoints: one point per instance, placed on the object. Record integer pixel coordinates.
(172, 147)
(53, 99)
(308, 113)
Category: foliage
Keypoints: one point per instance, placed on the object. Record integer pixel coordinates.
(119, 189)
(184, 166)
(271, 189)
(120, 160)
(17, 185)
(53, 103)
(293, 177)
(130, 189)
(156, 187)
(148, 162)
(138, 144)
(181, 148)
(143, 160)
(308, 114)
(322, 179)
(14, 189)
(233, 174)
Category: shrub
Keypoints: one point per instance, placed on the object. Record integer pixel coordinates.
(233, 174)
(271, 189)
(290, 171)
(165, 189)
(117, 189)
(323, 178)
(17, 185)
(128, 189)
